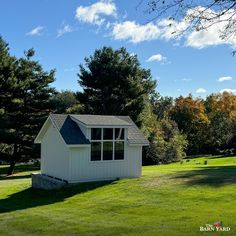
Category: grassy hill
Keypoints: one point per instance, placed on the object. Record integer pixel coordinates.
(173, 199)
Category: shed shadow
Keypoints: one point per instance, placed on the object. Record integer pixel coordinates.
(222, 156)
(19, 168)
(12, 177)
(30, 197)
(215, 176)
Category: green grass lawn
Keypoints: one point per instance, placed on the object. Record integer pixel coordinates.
(173, 199)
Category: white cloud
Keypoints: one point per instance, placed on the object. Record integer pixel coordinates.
(211, 36)
(167, 29)
(156, 57)
(224, 78)
(228, 90)
(93, 13)
(134, 32)
(201, 90)
(204, 38)
(37, 31)
(172, 29)
(64, 30)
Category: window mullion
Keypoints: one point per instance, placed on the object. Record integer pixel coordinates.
(113, 145)
(102, 145)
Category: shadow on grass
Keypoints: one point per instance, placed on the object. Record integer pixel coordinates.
(215, 176)
(14, 177)
(222, 156)
(207, 156)
(31, 197)
(19, 168)
(197, 156)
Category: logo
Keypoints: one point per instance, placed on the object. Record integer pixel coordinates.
(216, 226)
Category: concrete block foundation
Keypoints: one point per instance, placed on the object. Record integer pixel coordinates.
(41, 181)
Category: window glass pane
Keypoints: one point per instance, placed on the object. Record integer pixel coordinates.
(96, 134)
(108, 133)
(107, 150)
(95, 151)
(119, 133)
(119, 150)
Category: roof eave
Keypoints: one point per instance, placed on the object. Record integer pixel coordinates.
(139, 144)
(78, 145)
(38, 140)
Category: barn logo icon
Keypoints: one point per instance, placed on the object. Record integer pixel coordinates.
(216, 226)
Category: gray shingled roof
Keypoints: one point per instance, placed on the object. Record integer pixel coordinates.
(68, 129)
(71, 133)
(135, 136)
(91, 120)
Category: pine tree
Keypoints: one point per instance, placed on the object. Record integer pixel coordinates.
(25, 103)
(114, 84)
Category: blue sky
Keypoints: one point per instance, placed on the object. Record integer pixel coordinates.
(64, 32)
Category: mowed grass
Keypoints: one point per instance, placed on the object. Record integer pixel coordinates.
(173, 199)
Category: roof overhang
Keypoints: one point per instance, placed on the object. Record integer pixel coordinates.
(138, 144)
(43, 130)
(78, 145)
(108, 126)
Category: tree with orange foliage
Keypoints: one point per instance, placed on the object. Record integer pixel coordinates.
(221, 111)
(190, 115)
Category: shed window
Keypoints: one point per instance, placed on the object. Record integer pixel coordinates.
(119, 133)
(107, 144)
(107, 150)
(119, 150)
(96, 134)
(108, 134)
(96, 151)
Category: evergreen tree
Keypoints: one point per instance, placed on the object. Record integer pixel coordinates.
(25, 103)
(114, 84)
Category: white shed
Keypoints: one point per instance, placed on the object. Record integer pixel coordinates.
(80, 148)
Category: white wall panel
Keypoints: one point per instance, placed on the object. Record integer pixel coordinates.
(82, 169)
(54, 155)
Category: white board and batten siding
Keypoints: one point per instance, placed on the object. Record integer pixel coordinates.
(72, 162)
(82, 169)
(54, 155)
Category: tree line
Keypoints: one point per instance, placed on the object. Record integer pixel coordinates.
(114, 83)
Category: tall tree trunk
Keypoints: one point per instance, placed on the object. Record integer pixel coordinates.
(13, 161)
(12, 166)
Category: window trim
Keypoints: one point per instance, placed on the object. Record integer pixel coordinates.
(105, 140)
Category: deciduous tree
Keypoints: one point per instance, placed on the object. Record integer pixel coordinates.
(195, 15)
(192, 120)
(66, 102)
(221, 111)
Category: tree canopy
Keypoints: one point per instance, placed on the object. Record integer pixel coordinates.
(24, 103)
(65, 102)
(114, 83)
